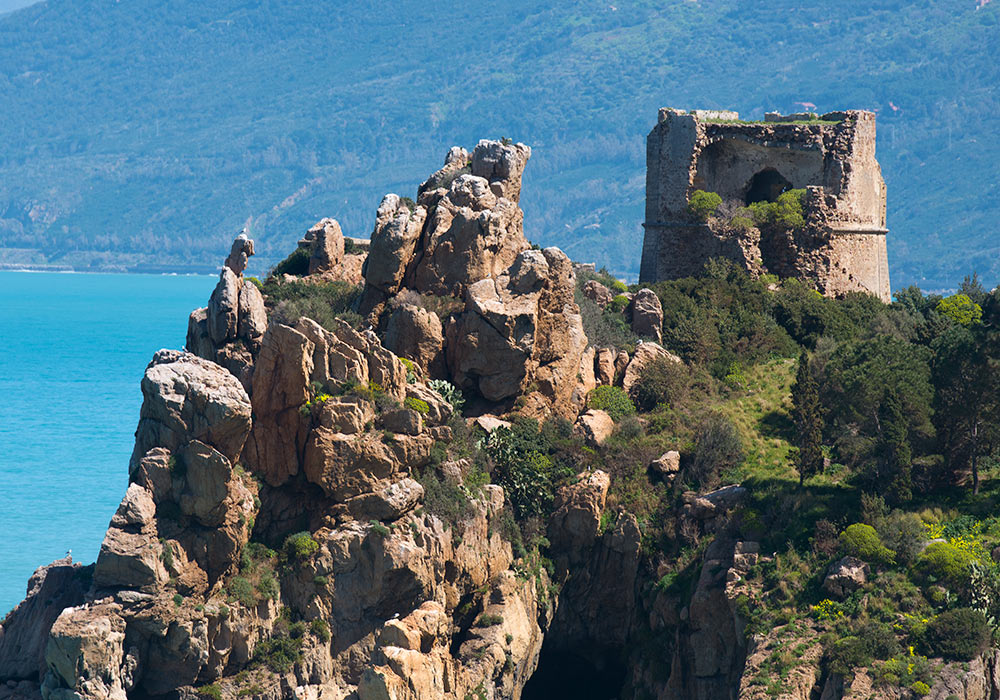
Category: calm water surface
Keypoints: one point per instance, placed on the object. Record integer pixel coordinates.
(73, 348)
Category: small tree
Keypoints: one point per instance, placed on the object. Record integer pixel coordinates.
(893, 451)
(807, 414)
(703, 204)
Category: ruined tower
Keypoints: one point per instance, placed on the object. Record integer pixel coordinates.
(839, 244)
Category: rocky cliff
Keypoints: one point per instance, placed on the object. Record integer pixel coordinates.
(342, 509)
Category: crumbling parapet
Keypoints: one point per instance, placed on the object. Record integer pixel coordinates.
(840, 247)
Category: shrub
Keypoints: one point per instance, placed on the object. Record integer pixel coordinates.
(920, 689)
(378, 528)
(611, 399)
(319, 581)
(663, 382)
(418, 405)
(178, 599)
(617, 286)
(299, 547)
(279, 654)
(211, 690)
(862, 541)
(295, 264)
(785, 212)
(323, 302)
(717, 446)
(847, 654)
(320, 629)
(489, 620)
(961, 634)
(241, 590)
(943, 562)
(617, 304)
(449, 392)
(703, 204)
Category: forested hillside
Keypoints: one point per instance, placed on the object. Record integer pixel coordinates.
(140, 132)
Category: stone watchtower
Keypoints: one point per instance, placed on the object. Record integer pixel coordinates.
(839, 246)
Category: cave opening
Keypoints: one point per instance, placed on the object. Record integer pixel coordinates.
(563, 674)
(766, 186)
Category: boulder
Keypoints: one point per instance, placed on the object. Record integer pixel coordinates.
(502, 164)
(345, 414)
(85, 654)
(714, 503)
(417, 335)
(846, 576)
(598, 293)
(388, 503)
(647, 315)
(223, 308)
(130, 555)
(326, 246)
(403, 420)
(207, 473)
(251, 319)
(489, 423)
(667, 464)
(438, 409)
(25, 630)
(185, 398)
(645, 354)
(577, 510)
(393, 242)
(239, 253)
(595, 426)
(604, 366)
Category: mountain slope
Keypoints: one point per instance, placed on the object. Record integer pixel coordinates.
(152, 132)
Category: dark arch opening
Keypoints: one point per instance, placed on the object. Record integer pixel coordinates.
(562, 674)
(766, 186)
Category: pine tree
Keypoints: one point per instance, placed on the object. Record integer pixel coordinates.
(808, 419)
(894, 453)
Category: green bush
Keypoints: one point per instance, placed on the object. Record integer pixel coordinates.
(211, 690)
(485, 620)
(703, 204)
(299, 547)
(418, 405)
(945, 563)
(323, 302)
(178, 599)
(862, 541)
(240, 589)
(961, 634)
(320, 629)
(295, 264)
(785, 212)
(611, 399)
(279, 654)
(663, 382)
(718, 446)
(920, 689)
(378, 528)
(847, 654)
(617, 304)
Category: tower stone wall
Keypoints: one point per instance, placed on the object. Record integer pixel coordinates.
(842, 245)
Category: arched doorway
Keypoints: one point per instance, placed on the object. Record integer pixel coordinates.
(766, 186)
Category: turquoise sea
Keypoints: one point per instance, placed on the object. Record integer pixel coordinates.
(73, 348)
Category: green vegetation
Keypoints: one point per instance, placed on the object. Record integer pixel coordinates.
(862, 541)
(299, 546)
(702, 204)
(449, 392)
(783, 213)
(297, 263)
(320, 629)
(211, 690)
(323, 302)
(485, 620)
(960, 309)
(612, 400)
(418, 405)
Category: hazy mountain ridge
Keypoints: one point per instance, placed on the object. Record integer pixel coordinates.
(321, 114)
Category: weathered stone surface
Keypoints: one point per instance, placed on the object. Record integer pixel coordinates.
(714, 503)
(186, 397)
(595, 426)
(417, 335)
(667, 464)
(345, 414)
(25, 630)
(403, 420)
(326, 249)
(280, 388)
(846, 576)
(647, 315)
(252, 315)
(438, 410)
(389, 503)
(644, 355)
(85, 654)
(223, 307)
(502, 164)
(489, 423)
(598, 293)
(604, 366)
(841, 247)
(393, 242)
(129, 559)
(576, 515)
(206, 473)
(240, 251)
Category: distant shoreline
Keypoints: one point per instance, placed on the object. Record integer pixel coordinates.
(151, 270)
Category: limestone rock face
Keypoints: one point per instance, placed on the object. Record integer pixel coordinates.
(416, 334)
(239, 253)
(644, 355)
(595, 426)
(222, 308)
(186, 397)
(604, 366)
(502, 165)
(25, 631)
(647, 315)
(130, 554)
(521, 327)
